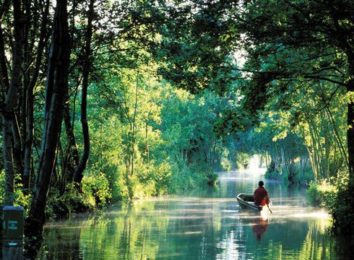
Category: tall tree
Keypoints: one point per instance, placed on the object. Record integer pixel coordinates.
(321, 33)
(33, 74)
(315, 27)
(9, 120)
(56, 88)
(197, 45)
(23, 40)
(85, 82)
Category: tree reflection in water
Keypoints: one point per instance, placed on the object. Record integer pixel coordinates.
(207, 226)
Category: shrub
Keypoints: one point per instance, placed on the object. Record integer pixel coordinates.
(21, 199)
(2, 186)
(322, 194)
(94, 193)
(63, 205)
(272, 172)
(185, 177)
(96, 190)
(242, 160)
(342, 210)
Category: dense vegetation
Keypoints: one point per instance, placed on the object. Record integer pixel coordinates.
(116, 100)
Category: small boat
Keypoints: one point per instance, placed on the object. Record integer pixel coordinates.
(246, 201)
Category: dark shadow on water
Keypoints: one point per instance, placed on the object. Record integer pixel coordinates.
(31, 247)
(344, 247)
(62, 246)
(12, 253)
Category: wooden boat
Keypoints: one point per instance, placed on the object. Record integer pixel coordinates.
(246, 201)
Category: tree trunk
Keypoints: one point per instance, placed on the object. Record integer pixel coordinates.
(350, 121)
(8, 117)
(29, 100)
(17, 140)
(8, 159)
(56, 88)
(86, 71)
(71, 154)
(4, 78)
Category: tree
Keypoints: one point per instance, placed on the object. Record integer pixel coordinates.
(56, 87)
(85, 71)
(24, 47)
(316, 28)
(9, 125)
(321, 34)
(197, 44)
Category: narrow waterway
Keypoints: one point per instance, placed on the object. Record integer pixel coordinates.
(204, 224)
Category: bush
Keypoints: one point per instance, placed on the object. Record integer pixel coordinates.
(21, 199)
(322, 194)
(185, 177)
(2, 186)
(96, 191)
(336, 195)
(343, 210)
(272, 172)
(212, 178)
(242, 160)
(63, 205)
(292, 174)
(305, 178)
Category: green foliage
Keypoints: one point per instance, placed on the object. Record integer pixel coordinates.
(21, 199)
(149, 138)
(272, 172)
(2, 186)
(152, 135)
(195, 49)
(186, 178)
(96, 191)
(335, 194)
(63, 205)
(322, 194)
(242, 160)
(342, 208)
(343, 212)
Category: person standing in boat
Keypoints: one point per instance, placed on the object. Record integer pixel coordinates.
(261, 197)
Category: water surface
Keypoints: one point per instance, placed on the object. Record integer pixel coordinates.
(201, 224)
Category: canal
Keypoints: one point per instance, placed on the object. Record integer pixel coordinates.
(199, 224)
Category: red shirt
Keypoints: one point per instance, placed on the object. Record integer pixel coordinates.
(261, 196)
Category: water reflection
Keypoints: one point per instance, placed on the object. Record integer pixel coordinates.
(205, 224)
(259, 227)
(9, 252)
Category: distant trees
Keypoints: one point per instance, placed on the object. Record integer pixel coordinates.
(86, 68)
(298, 73)
(304, 49)
(310, 42)
(123, 61)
